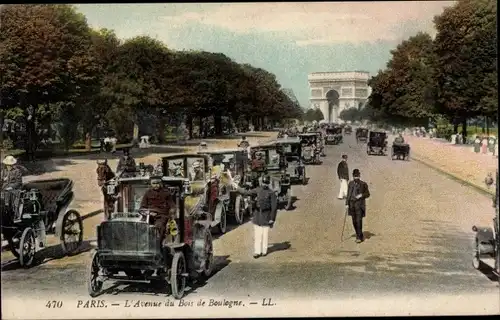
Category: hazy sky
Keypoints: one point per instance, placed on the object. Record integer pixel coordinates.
(289, 39)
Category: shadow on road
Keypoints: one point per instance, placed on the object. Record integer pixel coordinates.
(48, 254)
(162, 287)
(281, 246)
(366, 234)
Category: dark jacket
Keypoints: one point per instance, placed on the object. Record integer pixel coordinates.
(262, 218)
(126, 165)
(258, 164)
(159, 201)
(357, 206)
(343, 170)
(12, 178)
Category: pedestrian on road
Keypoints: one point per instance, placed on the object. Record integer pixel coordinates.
(265, 215)
(343, 174)
(356, 204)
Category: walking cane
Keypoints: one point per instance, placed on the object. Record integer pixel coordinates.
(343, 227)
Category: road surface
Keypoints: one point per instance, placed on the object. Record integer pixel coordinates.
(416, 258)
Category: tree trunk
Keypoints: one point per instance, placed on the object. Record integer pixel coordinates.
(190, 126)
(88, 141)
(487, 121)
(2, 117)
(200, 127)
(218, 124)
(31, 139)
(464, 129)
(161, 129)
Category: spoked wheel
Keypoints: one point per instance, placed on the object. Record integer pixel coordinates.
(72, 232)
(476, 263)
(14, 245)
(239, 209)
(289, 199)
(178, 275)
(304, 177)
(94, 280)
(27, 248)
(222, 226)
(209, 254)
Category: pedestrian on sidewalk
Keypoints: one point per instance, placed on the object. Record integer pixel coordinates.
(343, 174)
(265, 215)
(355, 203)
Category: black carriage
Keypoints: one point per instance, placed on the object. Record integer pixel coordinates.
(400, 151)
(38, 209)
(311, 148)
(361, 135)
(290, 151)
(377, 143)
(234, 163)
(348, 129)
(205, 184)
(334, 135)
(275, 168)
(129, 246)
(487, 241)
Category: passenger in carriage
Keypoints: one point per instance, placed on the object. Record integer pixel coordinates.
(161, 203)
(197, 174)
(399, 139)
(12, 182)
(126, 164)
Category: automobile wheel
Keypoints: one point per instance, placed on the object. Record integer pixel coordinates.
(239, 209)
(476, 263)
(209, 254)
(27, 248)
(178, 275)
(222, 226)
(71, 232)
(14, 245)
(94, 281)
(289, 199)
(304, 177)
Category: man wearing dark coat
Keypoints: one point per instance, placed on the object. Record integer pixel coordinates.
(265, 215)
(126, 164)
(343, 174)
(357, 193)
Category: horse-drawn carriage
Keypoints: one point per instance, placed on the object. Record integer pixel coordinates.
(487, 241)
(38, 209)
(377, 143)
(130, 248)
(280, 180)
(290, 151)
(311, 149)
(361, 135)
(334, 135)
(233, 164)
(400, 151)
(206, 192)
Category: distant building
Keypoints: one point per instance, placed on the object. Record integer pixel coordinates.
(333, 92)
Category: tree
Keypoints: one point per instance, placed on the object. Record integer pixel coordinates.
(43, 59)
(465, 50)
(351, 114)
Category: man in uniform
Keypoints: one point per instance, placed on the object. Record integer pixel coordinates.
(265, 215)
(343, 174)
(197, 174)
(399, 139)
(160, 202)
(357, 192)
(126, 164)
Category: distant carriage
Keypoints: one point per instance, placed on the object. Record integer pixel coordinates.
(377, 143)
(400, 151)
(361, 135)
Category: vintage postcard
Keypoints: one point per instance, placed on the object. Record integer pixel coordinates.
(235, 160)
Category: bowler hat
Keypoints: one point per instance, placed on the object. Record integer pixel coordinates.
(356, 173)
(344, 156)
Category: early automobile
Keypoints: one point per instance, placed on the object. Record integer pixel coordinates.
(41, 208)
(310, 148)
(290, 153)
(233, 163)
(130, 243)
(348, 129)
(361, 135)
(400, 151)
(377, 143)
(487, 241)
(205, 184)
(280, 179)
(334, 135)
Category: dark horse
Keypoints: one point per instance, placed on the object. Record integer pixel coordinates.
(104, 174)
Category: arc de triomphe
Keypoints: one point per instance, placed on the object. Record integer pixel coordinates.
(333, 92)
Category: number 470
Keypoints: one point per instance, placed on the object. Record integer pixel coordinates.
(54, 304)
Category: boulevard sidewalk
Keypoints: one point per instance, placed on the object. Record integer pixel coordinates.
(458, 161)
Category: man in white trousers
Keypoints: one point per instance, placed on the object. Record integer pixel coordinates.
(265, 215)
(343, 174)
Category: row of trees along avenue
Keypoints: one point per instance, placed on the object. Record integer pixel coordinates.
(453, 75)
(55, 68)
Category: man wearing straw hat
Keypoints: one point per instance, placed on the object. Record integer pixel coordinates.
(12, 181)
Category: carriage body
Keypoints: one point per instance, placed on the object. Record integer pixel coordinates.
(233, 164)
(290, 153)
(377, 143)
(311, 148)
(334, 135)
(487, 240)
(400, 151)
(361, 135)
(129, 246)
(41, 208)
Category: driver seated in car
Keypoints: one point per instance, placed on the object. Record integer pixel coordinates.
(159, 201)
(399, 139)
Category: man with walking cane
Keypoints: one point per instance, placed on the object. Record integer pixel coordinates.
(357, 192)
(343, 174)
